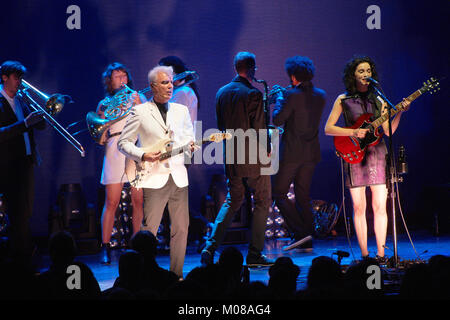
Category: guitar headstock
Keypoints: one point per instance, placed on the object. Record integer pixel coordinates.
(431, 85)
(217, 137)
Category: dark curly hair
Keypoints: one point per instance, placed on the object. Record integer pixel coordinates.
(106, 76)
(179, 67)
(302, 68)
(349, 72)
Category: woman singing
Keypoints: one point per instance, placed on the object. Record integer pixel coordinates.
(359, 99)
(113, 174)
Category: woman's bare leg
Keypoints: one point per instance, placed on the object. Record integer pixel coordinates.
(113, 193)
(379, 197)
(137, 200)
(359, 217)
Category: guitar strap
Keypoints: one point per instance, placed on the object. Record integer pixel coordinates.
(377, 105)
(345, 110)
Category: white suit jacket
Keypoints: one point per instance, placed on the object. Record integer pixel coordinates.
(146, 126)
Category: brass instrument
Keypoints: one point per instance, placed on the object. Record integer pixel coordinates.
(275, 90)
(53, 105)
(119, 105)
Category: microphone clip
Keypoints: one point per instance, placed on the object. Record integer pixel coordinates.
(371, 80)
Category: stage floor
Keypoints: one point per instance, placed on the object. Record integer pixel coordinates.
(425, 245)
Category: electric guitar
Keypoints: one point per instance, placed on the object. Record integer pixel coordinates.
(137, 172)
(353, 149)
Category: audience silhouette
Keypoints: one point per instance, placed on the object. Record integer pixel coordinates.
(131, 274)
(140, 277)
(356, 281)
(155, 279)
(283, 278)
(324, 279)
(54, 283)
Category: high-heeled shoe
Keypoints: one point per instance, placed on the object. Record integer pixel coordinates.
(382, 260)
(105, 254)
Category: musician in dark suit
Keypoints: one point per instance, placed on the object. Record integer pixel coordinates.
(299, 110)
(239, 107)
(18, 157)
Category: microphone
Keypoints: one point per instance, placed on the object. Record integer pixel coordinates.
(372, 80)
(343, 254)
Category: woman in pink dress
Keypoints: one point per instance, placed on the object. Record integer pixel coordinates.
(359, 99)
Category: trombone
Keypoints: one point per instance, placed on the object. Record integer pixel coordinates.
(53, 105)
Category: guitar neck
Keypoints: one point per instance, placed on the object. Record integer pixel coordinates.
(399, 107)
(173, 152)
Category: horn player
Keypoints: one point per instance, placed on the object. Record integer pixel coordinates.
(113, 172)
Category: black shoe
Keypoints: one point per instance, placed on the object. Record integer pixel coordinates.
(305, 247)
(206, 258)
(258, 261)
(297, 242)
(105, 254)
(363, 258)
(382, 261)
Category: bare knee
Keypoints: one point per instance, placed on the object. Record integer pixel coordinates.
(111, 203)
(379, 211)
(137, 198)
(359, 209)
(379, 207)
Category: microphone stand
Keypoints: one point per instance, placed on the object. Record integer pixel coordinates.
(266, 110)
(390, 172)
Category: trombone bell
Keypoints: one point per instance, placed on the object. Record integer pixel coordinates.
(55, 103)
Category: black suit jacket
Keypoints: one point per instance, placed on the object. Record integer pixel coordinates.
(300, 113)
(239, 106)
(12, 142)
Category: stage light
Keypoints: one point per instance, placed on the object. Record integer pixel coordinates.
(279, 220)
(269, 234)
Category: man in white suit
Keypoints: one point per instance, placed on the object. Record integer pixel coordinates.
(147, 124)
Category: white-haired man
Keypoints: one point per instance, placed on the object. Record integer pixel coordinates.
(167, 183)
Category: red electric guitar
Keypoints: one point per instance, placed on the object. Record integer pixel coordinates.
(353, 149)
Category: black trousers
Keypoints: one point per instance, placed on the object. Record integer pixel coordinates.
(297, 215)
(17, 187)
(260, 187)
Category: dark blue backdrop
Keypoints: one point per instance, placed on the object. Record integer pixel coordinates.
(411, 46)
